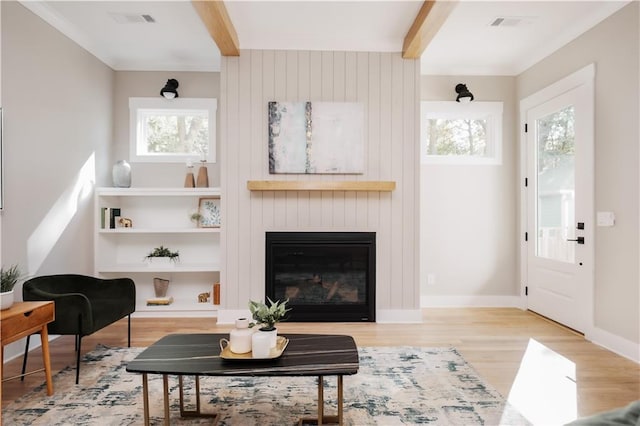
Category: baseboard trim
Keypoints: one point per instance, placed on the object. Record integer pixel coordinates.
(614, 343)
(470, 302)
(399, 316)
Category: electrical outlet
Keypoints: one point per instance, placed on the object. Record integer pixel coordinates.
(431, 279)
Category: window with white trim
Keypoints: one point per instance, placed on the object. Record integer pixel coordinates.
(461, 133)
(172, 130)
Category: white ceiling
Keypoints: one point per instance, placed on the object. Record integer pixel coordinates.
(465, 45)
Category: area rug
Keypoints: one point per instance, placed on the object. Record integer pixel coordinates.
(394, 386)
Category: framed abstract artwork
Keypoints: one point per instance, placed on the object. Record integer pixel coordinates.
(209, 209)
(316, 137)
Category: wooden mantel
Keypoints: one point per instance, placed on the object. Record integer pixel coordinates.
(315, 185)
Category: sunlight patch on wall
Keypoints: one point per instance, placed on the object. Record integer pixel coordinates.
(48, 232)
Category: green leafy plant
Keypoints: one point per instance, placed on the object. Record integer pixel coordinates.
(195, 218)
(9, 278)
(163, 252)
(269, 315)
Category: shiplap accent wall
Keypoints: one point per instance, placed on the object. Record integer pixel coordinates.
(388, 86)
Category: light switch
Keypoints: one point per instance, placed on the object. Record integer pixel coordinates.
(606, 218)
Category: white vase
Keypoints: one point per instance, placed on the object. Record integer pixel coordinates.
(261, 344)
(240, 337)
(6, 300)
(121, 174)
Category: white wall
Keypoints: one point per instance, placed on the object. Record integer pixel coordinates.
(469, 212)
(613, 46)
(389, 88)
(57, 101)
(148, 84)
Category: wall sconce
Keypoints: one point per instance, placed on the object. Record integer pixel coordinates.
(464, 95)
(170, 90)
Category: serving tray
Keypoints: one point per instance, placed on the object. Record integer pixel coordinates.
(281, 344)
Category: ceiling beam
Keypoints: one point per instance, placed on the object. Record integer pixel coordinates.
(431, 16)
(215, 17)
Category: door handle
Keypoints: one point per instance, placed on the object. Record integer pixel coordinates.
(579, 240)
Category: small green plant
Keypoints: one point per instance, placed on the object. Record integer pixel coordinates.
(9, 278)
(163, 252)
(268, 316)
(195, 217)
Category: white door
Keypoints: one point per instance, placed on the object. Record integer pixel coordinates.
(559, 203)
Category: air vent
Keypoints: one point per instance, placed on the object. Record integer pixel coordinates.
(510, 21)
(130, 18)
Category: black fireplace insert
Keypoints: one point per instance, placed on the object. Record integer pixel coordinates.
(327, 276)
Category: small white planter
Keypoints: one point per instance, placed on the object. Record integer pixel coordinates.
(6, 300)
(161, 262)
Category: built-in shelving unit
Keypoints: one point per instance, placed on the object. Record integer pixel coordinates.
(290, 185)
(160, 217)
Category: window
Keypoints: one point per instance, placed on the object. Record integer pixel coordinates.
(459, 133)
(172, 131)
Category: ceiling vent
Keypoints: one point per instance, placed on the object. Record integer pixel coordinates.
(130, 18)
(510, 21)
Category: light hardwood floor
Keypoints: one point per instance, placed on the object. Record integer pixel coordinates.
(548, 372)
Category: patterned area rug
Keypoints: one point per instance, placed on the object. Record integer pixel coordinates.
(394, 386)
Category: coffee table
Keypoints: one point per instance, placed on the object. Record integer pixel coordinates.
(199, 355)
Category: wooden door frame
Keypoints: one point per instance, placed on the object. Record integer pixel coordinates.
(585, 75)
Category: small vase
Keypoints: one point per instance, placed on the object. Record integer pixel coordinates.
(241, 337)
(6, 300)
(203, 177)
(261, 344)
(121, 174)
(160, 287)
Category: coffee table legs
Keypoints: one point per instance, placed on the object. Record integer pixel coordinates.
(196, 412)
(322, 419)
(145, 398)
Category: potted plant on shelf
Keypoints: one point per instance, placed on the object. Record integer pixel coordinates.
(8, 279)
(163, 256)
(196, 218)
(267, 316)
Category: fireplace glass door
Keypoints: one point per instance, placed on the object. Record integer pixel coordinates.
(327, 276)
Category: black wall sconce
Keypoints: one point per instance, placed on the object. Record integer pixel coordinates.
(170, 90)
(464, 95)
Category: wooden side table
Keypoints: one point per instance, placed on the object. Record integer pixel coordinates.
(23, 319)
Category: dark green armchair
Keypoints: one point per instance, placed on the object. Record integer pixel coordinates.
(83, 305)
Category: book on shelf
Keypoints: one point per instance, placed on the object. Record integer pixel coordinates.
(109, 217)
(159, 301)
(114, 215)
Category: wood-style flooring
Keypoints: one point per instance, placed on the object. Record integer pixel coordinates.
(551, 374)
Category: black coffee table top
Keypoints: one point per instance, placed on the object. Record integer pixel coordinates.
(199, 354)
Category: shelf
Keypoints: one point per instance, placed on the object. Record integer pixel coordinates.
(160, 231)
(156, 269)
(157, 192)
(290, 185)
(176, 310)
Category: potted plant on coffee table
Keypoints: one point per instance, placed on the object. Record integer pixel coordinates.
(267, 316)
(8, 279)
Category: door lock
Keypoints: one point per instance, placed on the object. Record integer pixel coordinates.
(579, 240)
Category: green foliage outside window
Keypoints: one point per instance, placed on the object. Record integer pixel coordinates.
(456, 137)
(177, 134)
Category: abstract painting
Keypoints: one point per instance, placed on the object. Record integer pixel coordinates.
(316, 137)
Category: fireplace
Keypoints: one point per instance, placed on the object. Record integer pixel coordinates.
(327, 276)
